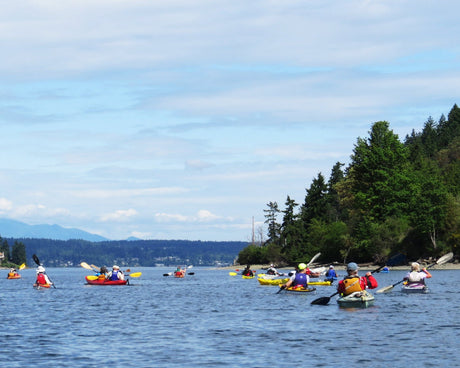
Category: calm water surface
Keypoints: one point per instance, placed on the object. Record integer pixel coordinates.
(212, 319)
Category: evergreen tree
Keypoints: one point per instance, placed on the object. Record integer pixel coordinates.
(271, 216)
(18, 253)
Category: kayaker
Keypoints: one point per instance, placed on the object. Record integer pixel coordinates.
(415, 276)
(180, 272)
(331, 275)
(299, 279)
(13, 273)
(247, 271)
(115, 274)
(272, 270)
(353, 283)
(102, 274)
(42, 277)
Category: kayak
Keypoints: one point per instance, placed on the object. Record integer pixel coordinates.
(299, 290)
(358, 299)
(106, 282)
(41, 286)
(264, 281)
(179, 275)
(321, 283)
(415, 288)
(248, 277)
(13, 277)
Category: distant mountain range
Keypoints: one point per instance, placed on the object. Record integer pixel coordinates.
(16, 229)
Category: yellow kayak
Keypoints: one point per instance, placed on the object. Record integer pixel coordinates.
(264, 281)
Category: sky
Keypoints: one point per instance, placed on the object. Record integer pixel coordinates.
(183, 119)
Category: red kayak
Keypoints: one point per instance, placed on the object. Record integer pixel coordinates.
(105, 282)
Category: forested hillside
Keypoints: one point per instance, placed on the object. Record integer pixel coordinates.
(124, 253)
(393, 197)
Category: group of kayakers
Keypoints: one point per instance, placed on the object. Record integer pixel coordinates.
(352, 282)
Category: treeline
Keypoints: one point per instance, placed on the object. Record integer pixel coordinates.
(59, 253)
(393, 197)
(12, 256)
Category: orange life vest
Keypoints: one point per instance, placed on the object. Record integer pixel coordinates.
(352, 285)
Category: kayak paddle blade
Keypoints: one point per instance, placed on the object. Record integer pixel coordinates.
(321, 301)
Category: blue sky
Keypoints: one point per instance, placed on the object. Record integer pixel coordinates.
(182, 120)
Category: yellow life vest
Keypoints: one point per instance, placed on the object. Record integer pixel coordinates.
(352, 285)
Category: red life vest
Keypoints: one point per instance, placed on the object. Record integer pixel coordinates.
(41, 280)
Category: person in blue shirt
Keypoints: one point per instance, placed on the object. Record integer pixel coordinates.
(115, 274)
(331, 275)
(300, 279)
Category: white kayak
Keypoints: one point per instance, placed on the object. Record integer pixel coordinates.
(358, 299)
(415, 288)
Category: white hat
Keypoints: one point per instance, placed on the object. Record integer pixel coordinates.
(116, 267)
(331, 266)
(40, 269)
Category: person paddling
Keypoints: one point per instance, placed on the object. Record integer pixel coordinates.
(42, 277)
(331, 275)
(300, 279)
(102, 274)
(247, 271)
(115, 274)
(415, 276)
(272, 270)
(13, 273)
(353, 283)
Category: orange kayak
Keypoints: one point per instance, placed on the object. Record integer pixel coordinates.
(39, 286)
(12, 277)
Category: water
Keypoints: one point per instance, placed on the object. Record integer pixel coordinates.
(212, 319)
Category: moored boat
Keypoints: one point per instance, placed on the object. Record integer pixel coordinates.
(358, 299)
(91, 281)
(415, 288)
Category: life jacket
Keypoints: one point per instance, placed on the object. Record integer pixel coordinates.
(11, 274)
(41, 280)
(416, 278)
(114, 276)
(101, 277)
(300, 279)
(352, 284)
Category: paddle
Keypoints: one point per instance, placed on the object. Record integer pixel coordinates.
(325, 299)
(37, 261)
(168, 274)
(21, 267)
(232, 273)
(444, 259)
(88, 267)
(313, 259)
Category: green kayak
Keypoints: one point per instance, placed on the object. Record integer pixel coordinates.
(358, 299)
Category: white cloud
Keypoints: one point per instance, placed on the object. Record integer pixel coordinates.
(5, 205)
(119, 215)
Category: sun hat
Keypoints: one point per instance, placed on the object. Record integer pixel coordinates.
(116, 267)
(331, 266)
(352, 266)
(40, 269)
(302, 266)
